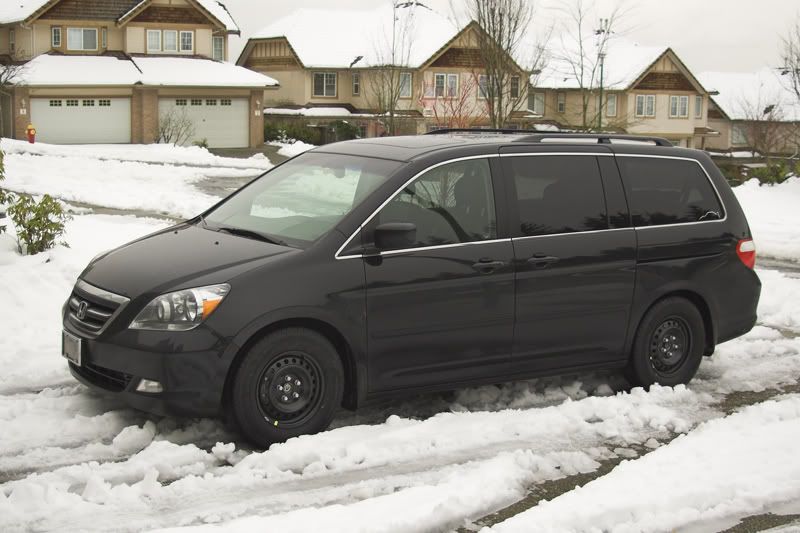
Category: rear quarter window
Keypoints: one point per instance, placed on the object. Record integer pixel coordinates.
(668, 191)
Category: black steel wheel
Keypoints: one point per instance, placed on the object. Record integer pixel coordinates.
(289, 383)
(669, 344)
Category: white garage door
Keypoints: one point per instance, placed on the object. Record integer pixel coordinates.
(81, 120)
(222, 122)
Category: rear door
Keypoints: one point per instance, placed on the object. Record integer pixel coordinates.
(441, 310)
(574, 257)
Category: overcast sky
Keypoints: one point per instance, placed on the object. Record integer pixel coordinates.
(729, 35)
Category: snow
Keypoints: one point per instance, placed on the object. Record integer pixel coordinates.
(350, 33)
(773, 215)
(312, 112)
(744, 95)
(738, 464)
(221, 13)
(292, 147)
(17, 10)
(59, 70)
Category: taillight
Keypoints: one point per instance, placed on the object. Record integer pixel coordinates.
(746, 250)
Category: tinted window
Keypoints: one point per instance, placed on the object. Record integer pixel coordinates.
(558, 194)
(668, 191)
(450, 204)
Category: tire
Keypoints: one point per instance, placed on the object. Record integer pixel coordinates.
(669, 344)
(308, 370)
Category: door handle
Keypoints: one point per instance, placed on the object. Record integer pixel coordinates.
(542, 261)
(487, 266)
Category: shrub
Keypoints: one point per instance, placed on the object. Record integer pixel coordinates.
(175, 127)
(38, 224)
(202, 144)
(5, 197)
(343, 131)
(286, 132)
(775, 172)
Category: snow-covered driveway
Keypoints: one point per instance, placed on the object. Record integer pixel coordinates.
(73, 460)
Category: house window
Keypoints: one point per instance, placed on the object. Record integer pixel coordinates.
(104, 103)
(356, 84)
(153, 40)
(82, 38)
(405, 85)
(225, 101)
(514, 86)
(72, 103)
(181, 101)
(679, 106)
(452, 85)
(55, 103)
(104, 37)
(645, 105)
(88, 103)
(187, 41)
(324, 84)
(170, 41)
(561, 102)
(197, 101)
(537, 103)
(212, 101)
(445, 85)
(738, 134)
(218, 48)
(439, 83)
(483, 86)
(11, 41)
(55, 37)
(611, 105)
(698, 106)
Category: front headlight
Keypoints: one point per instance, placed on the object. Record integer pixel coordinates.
(180, 310)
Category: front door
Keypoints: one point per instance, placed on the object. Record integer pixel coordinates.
(575, 263)
(441, 309)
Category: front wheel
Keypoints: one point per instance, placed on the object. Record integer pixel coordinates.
(290, 383)
(669, 344)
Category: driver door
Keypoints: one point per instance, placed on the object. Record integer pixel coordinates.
(441, 310)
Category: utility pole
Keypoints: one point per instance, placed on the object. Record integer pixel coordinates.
(601, 55)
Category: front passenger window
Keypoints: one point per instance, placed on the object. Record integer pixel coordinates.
(450, 204)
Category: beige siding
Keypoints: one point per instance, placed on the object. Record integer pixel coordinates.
(202, 41)
(134, 40)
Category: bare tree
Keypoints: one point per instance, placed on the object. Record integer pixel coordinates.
(10, 75)
(764, 125)
(791, 58)
(581, 55)
(175, 127)
(503, 27)
(389, 78)
(454, 106)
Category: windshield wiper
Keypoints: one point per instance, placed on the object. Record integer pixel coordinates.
(250, 234)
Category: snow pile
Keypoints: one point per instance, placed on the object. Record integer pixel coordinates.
(311, 112)
(737, 465)
(774, 217)
(292, 148)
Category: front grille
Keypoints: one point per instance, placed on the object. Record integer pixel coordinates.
(91, 309)
(104, 378)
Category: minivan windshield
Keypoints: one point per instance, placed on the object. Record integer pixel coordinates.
(301, 200)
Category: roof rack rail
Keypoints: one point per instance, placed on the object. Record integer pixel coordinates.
(544, 136)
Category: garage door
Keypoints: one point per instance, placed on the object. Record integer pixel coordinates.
(222, 122)
(82, 120)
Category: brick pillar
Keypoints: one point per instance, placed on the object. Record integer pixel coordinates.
(149, 115)
(256, 118)
(21, 112)
(136, 116)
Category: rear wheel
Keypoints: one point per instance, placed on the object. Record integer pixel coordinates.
(289, 383)
(669, 344)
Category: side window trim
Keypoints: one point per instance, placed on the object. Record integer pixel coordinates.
(358, 231)
(705, 173)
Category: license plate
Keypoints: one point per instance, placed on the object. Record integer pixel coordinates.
(71, 347)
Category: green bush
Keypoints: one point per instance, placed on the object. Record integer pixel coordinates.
(202, 144)
(775, 172)
(5, 197)
(38, 224)
(343, 131)
(285, 132)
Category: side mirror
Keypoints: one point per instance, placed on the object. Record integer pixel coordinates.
(395, 236)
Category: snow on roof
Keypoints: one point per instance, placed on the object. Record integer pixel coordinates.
(745, 95)
(221, 13)
(188, 72)
(57, 70)
(625, 62)
(16, 10)
(336, 38)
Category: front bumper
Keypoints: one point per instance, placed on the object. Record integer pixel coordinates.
(192, 379)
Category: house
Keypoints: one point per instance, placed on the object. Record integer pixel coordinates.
(646, 90)
(754, 111)
(405, 63)
(113, 71)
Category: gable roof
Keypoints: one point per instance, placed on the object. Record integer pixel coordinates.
(15, 11)
(335, 38)
(626, 63)
(745, 95)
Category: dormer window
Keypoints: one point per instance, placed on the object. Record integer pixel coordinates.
(153, 40)
(187, 41)
(82, 39)
(170, 41)
(55, 36)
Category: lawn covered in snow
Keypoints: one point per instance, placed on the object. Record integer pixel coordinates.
(72, 459)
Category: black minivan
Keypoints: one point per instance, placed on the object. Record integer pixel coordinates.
(378, 267)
